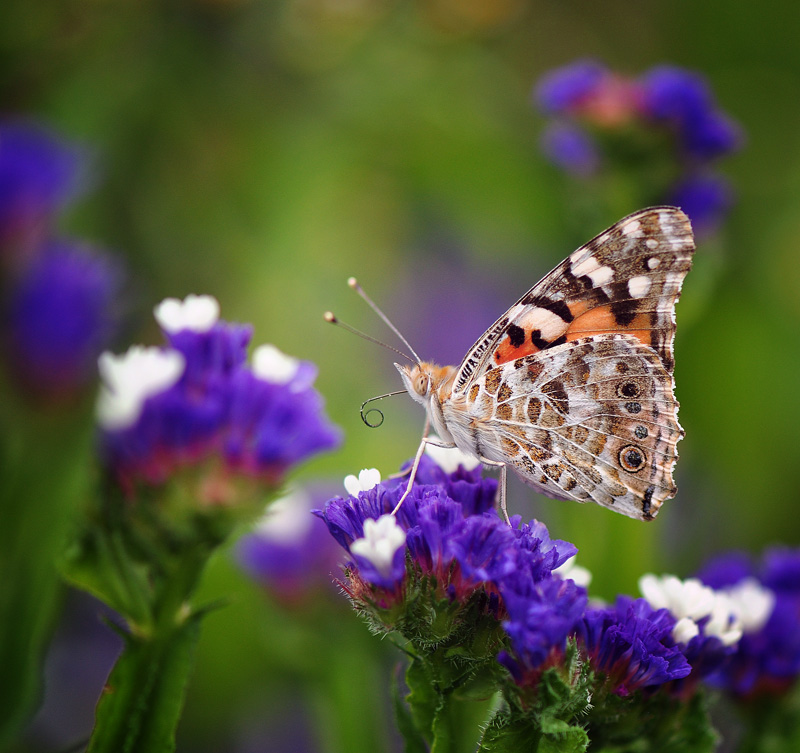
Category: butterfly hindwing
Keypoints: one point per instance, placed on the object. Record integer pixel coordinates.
(591, 419)
(626, 280)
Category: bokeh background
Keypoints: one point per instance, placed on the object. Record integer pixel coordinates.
(264, 151)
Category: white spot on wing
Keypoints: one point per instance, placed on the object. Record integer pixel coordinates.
(653, 262)
(631, 228)
(639, 286)
(601, 276)
(651, 243)
(586, 267)
(549, 324)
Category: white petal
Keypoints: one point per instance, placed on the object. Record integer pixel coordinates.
(287, 519)
(366, 480)
(382, 538)
(683, 598)
(449, 458)
(724, 624)
(570, 571)
(129, 379)
(685, 629)
(198, 313)
(271, 365)
(752, 603)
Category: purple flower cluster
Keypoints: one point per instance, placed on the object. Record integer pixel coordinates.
(447, 533)
(197, 404)
(767, 658)
(60, 296)
(587, 101)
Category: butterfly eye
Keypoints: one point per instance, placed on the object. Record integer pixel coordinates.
(421, 384)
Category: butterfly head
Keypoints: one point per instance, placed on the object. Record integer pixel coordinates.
(424, 380)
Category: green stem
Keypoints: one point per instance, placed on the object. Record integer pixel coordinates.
(143, 697)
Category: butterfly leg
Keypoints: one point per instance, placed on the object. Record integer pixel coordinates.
(502, 489)
(415, 466)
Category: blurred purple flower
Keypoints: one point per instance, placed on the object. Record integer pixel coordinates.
(595, 105)
(571, 148)
(39, 174)
(61, 314)
(767, 658)
(707, 199)
(631, 644)
(161, 410)
(290, 551)
(674, 94)
(563, 89)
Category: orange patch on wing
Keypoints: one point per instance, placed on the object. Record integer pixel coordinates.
(600, 321)
(507, 352)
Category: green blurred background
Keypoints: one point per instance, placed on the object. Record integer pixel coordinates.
(265, 151)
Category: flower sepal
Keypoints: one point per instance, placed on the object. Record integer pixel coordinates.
(651, 722)
(547, 718)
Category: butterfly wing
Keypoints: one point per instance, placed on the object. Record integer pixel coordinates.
(626, 280)
(591, 419)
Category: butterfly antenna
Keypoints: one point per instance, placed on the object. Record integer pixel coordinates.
(365, 416)
(328, 316)
(353, 283)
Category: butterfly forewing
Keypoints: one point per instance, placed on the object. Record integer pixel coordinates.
(626, 280)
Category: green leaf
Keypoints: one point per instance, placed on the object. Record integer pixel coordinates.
(423, 699)
(560, 737)
(142, 701)
(510, 733)
(414, 741)
(45, 462)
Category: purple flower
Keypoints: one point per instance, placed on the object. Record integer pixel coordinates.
(567, 88)
(539, 625)
(631, 645)
(571, 148)
(162, 410)
(674, 94)
(706, 199)
(767, 658)
(61, 314)
(290, 551)
(682, 99)
(39, 174)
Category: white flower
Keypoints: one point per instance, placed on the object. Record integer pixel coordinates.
(724, 622)
(198, 313)
(685, 629)
(691, 601)
(570, 571)
(683, 598)
(271, 365)
(366, 480)
(287, 519)
(449, 458)
(752, 604)
(382, 538)
(128, 380)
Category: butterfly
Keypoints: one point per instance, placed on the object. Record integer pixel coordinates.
(572, 388)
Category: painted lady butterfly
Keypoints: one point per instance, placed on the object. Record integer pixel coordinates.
(572, 387)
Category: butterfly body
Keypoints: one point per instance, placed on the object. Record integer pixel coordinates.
(572, 387)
